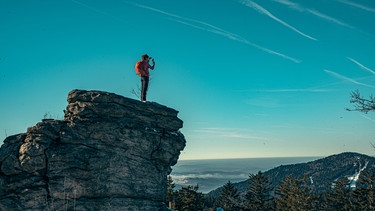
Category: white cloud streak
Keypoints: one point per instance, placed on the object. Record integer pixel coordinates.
(316, 13)
(235, 133)
(366, 117)
(197, 24)
(328, 18)
(361, 65)
(266, 102)
(184, 179)
(96, 10)
(263, 11)
(359, 6)
(286, 90)
(295, 90)
(347, 79)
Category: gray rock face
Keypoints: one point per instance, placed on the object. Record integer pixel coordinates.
(109, 153)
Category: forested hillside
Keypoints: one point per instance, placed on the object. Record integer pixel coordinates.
(339, 182)
(321, 172)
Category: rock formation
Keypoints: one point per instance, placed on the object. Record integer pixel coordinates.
(109, 153)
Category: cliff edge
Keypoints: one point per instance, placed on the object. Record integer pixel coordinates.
(109, 153)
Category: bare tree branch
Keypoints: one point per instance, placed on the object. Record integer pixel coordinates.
(137, 92)
(361, 103)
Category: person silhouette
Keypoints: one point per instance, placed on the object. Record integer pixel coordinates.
(142, 70)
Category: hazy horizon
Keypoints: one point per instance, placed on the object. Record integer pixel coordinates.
(253, 158)
(212, 173)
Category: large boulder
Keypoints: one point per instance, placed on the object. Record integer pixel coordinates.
(109, 153)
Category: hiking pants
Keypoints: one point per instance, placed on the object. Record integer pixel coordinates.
(144, 81)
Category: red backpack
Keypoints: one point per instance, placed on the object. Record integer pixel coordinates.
(138, 69)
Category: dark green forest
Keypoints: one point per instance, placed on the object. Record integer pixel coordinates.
(292, 194)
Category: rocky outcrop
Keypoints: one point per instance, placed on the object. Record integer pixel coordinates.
(109, 153)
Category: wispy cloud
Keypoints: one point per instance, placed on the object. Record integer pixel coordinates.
(361, 65)
(366, 117)
(263, 11)
(354, 4)
(347, 79)
(295, 90)
(234, 133)
(204, 26)
(328, 18)
(266, 102)
(183, 179)
(316, 13)
(95, 10)
(285, 90)
(191, 178)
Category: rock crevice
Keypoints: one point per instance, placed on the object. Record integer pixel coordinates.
(109, 153)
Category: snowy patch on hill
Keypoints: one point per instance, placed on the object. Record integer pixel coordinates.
(353, 179)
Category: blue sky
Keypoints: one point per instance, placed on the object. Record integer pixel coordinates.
(268, 78)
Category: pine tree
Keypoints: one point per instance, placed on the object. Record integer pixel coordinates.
(294, 194)
(169, 199)
(338, 198)
(258, 197)
(229, 197)
(364, 194)
(189, 199)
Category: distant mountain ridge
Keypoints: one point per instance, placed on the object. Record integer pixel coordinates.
(322, 172)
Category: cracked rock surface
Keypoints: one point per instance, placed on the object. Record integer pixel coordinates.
(109, 153)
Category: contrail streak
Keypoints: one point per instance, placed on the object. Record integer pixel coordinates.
(361, 65)
(366, 117)
(316, 13)
(226, 33)
(230, 133)
(263, 11)
(96, 10)
(347, 79)
(328, 18)
(295, 90)
(213, 29)
(369, 9)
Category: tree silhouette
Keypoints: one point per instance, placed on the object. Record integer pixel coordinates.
(364, 194)
(361, 103)
(189, 199)
(294, 194)
(338, 198)
(229, 197)
(170, 197)
(258, 197)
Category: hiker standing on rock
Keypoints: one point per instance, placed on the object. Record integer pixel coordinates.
(141, 68)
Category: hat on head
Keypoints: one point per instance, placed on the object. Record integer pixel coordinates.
(145, 56)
